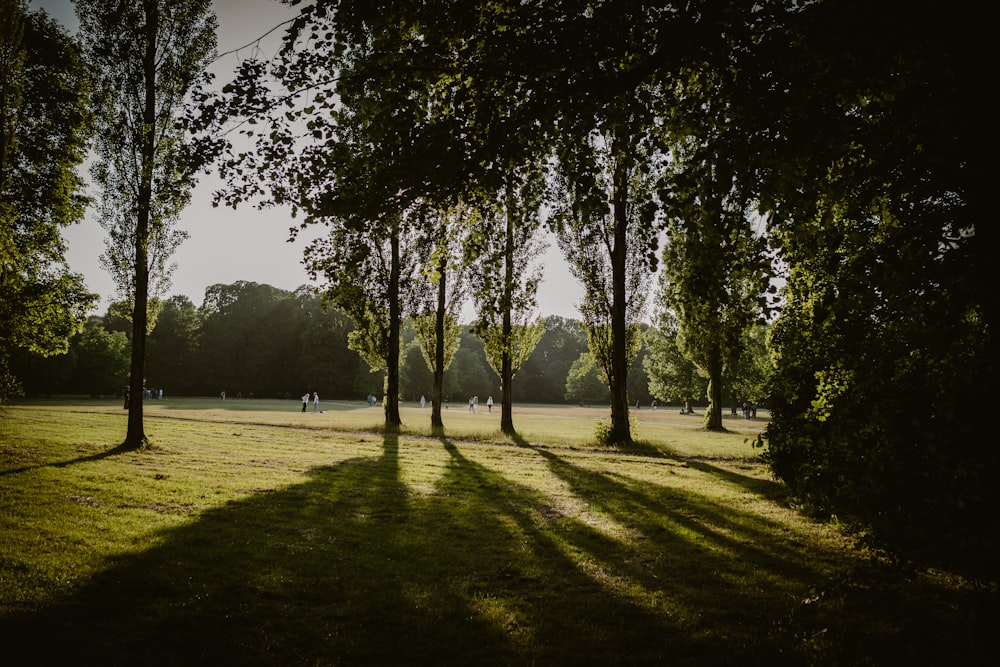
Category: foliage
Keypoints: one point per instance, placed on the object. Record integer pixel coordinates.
(885, 347)
(586, 381)
(173, 346)
(672, 376)
(542, 378)
(716, 268)
(102, 369)
(44, 126)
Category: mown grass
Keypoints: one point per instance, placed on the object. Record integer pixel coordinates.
(253, 534)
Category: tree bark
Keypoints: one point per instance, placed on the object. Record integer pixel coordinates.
(439, 317)
(621, 432)
(392, 419)
(713, 416)
(506, 371)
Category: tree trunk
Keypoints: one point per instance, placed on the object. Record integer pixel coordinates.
(135, 435)
(713, 416)
(392, 420)
(439, 317)
(621, 433)
(506, 372)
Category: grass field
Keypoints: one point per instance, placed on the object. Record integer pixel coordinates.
(250, 533)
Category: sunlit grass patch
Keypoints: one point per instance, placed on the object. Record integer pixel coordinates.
(264, 536)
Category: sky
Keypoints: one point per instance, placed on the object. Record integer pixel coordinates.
(226, 245)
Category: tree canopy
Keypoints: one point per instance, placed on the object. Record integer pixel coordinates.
(45, 120)
(854, 129)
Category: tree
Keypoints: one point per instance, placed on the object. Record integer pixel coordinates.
(173, 346)
(144, 58)
(44, 126)
(320, 335)
(245, 340)
(504, 281)
(367, 275)
(886, 353)
(750, 374)
(672, 376)
(586, 381)
(437, 307)
(542, 379)
(606, 226)
(102, 362)
(716, 268)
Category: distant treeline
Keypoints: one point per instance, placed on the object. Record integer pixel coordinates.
(253, 339)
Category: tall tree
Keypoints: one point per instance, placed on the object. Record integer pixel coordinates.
(437, 307)
(606, 225)
(144, 57)
(44, 125)
(504, 277)
(368, 276)
(716, 264)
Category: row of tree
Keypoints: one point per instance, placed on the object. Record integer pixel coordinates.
(254, 340)
(852, 129)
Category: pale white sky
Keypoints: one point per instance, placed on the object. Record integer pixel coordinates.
(227, 245)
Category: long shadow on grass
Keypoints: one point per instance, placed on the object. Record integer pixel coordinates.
(349, 567)
(773, 595)
(114, 451)
(354, 566)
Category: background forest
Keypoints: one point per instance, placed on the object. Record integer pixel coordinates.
(249, 337)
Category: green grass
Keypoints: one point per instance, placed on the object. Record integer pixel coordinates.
(253, 534)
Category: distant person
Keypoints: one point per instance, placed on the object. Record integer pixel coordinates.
(423, 402)
(223, 395)
(161, 394)
(305, 401)
(315, 401)
(470, 404)
(489, 404)
(653, 404)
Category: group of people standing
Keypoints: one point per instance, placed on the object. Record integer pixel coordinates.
(474, 404)
(749, 410)
(154, 394)
(306, 397)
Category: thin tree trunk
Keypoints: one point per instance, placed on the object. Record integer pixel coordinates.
(713, 416)
(439, 317)
(621, 432)
(392, 420)
(135, 435)
(506, 372)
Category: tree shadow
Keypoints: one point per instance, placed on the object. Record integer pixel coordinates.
(356, 566)
(117, 450)
(765, 488)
